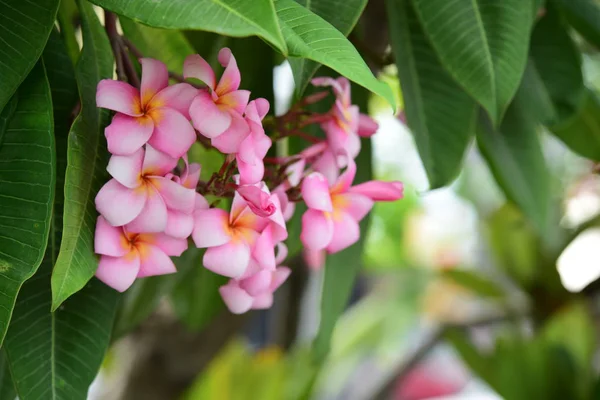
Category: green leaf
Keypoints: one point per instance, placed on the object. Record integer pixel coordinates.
(483, 45)
(309, 36)
(6, 115)
(195, 298)
(237, 18)
(343, 15)
(7, 388)
(27, 178)
(440, 114)
(24, 30)
(67, 18)
(515, 157)
(341, 269)
(584, 16)
(86, 169)
(475, 282)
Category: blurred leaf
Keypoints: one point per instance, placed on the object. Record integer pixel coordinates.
(86, 169)
(256, 61)
(482, 44)
(309, 36)
(167, 45)
(584, 16)
(343, 15)
(440, 114)
(226, 17)
(195, 298)
(536, 94)
(474, 282)
(25, 30)
(477, 362)
(67, 15)
(27, 179)
(7, 388)
(514, 244)
(515, 157)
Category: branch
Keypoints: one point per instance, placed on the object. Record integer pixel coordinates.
(110, 25)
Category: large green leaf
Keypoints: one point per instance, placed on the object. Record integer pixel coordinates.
(7, 388)
(482, 43)
(341, 269)
(583, 15)
(226, 17)
(309, 36)
(515, 157)
(440, 114)
(86, 168)
(24, 30)
(27, 178)
(343, 15)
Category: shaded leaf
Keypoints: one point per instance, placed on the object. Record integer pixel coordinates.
(474, 282)
(482, 44)
(584, 16)
(309, 36)
(440, 114)
(27, 178)
(86, 169)
(24, 30)
(7, 388)
(343, 15)
(226, 17)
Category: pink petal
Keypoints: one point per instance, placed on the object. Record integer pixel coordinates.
(257, 283)
(315, 192)
(229, 141)
(262, 106)
(169, 245)
(317, 229)
(119, 204)
(200, 203)
(236, 100)
(209, 119)
(157, 163)
(155, 78)
(179, 224)
(326, 164)
(327, 81)
(191, 175)
(176, 197)
(294, 173)
(250, 174)
(235, 298)
(258, 200)
(127, 170)
(173, 134)
(230, 259)
(118, 96)
(345, 233)
(253, 268)
(262, 301)
(126, 135)
(380, 191)
(195, 66)
(211, 228)
(357, 205)
(119, 272)
(277, 221)
(345, 180)
(110, 240)
(230, 80)
(153, 261)
(279, 276)
(314, 259)
(282, 253)
(264, 250)
(366, 126)
(153, 217)
(178, 97)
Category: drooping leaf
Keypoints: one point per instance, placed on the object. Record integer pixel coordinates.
(439, 113)
(341, 269)
(86, 168)
(27, 178)
(584, 16)
(478, 284)
(515, 157)
(24, 30)
(7, 388)
(227, 17)
(482, 44)
(309, 36)
(343, 15)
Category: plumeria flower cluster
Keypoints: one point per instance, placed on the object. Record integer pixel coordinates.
(155, 202)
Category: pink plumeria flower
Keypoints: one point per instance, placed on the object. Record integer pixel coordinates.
(180, 223)
(331, 221)
(217, 112)
(254, 291)
(140, 195)
(346, 122)
(254, 148)
(126, 256)
(158, 114)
